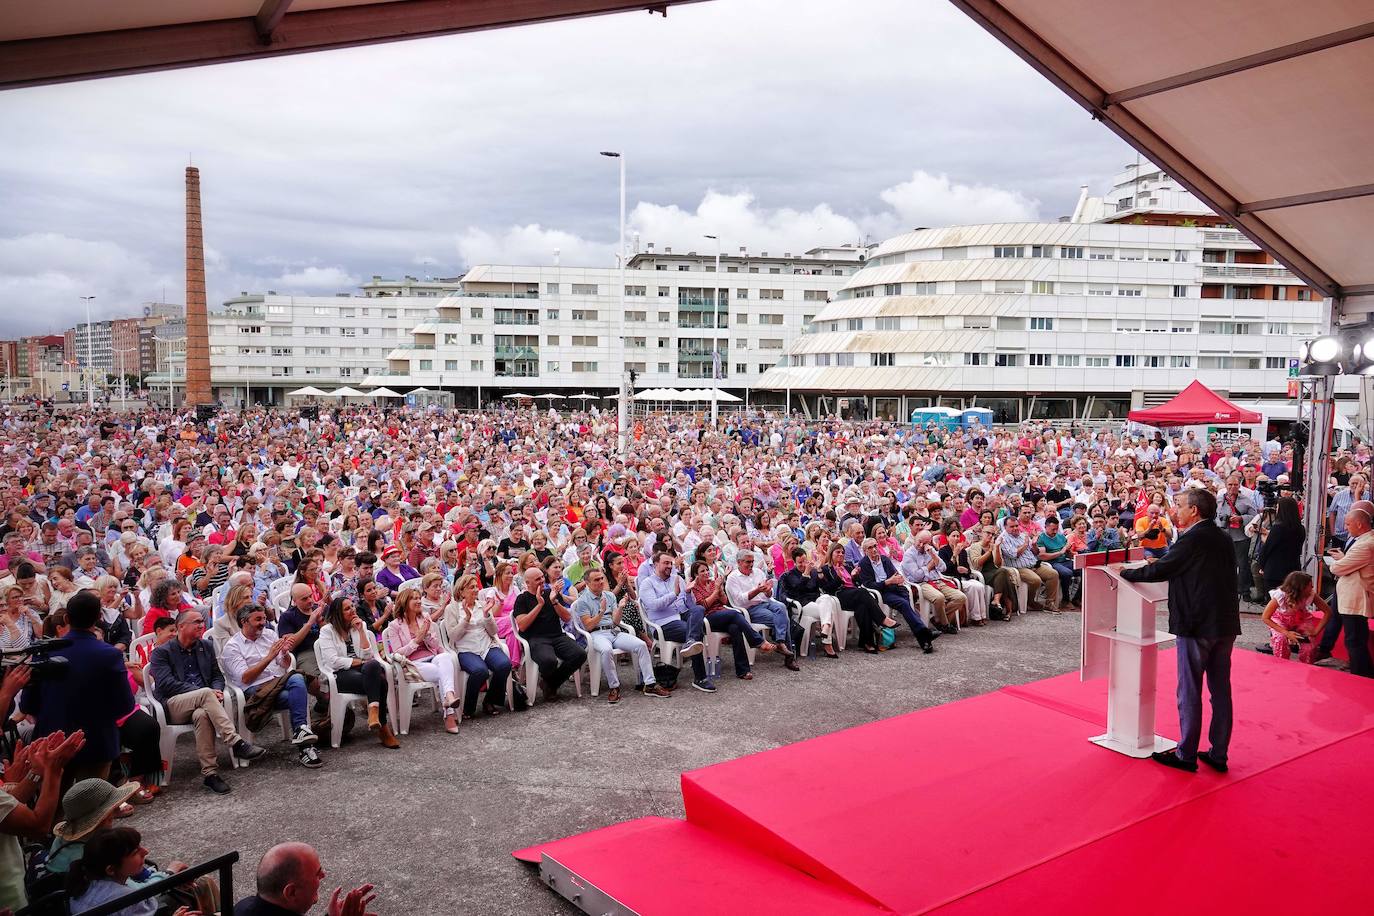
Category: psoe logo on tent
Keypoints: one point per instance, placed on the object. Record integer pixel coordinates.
(1221, 416)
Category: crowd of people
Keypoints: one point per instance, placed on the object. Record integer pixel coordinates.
(215, 574)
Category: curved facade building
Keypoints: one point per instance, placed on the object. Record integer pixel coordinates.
(1052, 320)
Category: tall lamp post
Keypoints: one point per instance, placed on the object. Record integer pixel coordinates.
(90, 354)
(715, 338)
(622, 410)
(171, 388)
(123, 373)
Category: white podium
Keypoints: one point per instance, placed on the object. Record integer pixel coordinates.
(1121, 643)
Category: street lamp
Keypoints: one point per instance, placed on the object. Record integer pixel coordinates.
(123, 373)
(622, 410)
(715, 338)
(168, 358)
(90, 354)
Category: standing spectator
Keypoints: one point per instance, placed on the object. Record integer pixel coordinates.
(1280, 553)
(1235, 509)
(188, 683)
(92, 698)
(1355, 587)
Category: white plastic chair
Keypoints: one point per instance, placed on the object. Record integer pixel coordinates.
(715, 639)
(594, 655)
(530, 669)
(279, 592)
(138, 643)
(338, 702)
(403, 691)
(169, 733)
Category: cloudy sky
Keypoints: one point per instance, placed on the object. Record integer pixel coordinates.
(776, 124)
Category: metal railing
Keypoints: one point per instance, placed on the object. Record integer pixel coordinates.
(57, 902)
(518, 373)
(516, 353)
(1258, 271)
(702, 325)
(511, 295)
(515, 319)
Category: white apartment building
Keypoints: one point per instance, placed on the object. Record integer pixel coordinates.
(536, 329)
(1121, 305)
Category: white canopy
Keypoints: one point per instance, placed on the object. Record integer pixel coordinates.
(550, 397)
(714, 394)
(518, 396)
(1202, 106)
(347, 392)
(309, 391)
(385, 393)
(584, 396)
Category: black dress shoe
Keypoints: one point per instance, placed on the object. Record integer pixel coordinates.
(215, 783)
(1170, 759)
(1207, 758)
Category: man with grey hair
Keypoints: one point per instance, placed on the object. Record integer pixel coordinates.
(1355, 587)
(1204, 616)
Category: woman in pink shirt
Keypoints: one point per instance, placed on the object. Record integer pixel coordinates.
(410, 638)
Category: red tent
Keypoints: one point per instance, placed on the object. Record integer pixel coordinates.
(1195, 405)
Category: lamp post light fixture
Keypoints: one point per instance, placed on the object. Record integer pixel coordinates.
(90, 354)
(622, 409)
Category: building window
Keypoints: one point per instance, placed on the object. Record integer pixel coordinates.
(770, 343)
(584, 367)
(1180, 362)
(426, 365)
(1097, 362)
(923, 289)
(820, 295)
(664, 291)
(1156, 327)
(552, 288)
(663, 368)
(554, 365)
(552, 340)
(971, 322)
(584, 340)
(1277, 327)
(1180, 291)
(1043, 287)
(1184, 328)
(844, 359)
(1042, 324)
(770, 294)
(1130, 291)
(1038, 359)
(473, 313)
(1100, 254)
(1006, 360)
(664, 342)
(1042, 251)
(741, 294)
(741, 368)
(770, 319)
(853, 324)
(1152, 362)
(1128, 325)
(822, 359)
(892, 289)
(324, 310)
(450, 365)
(1008, 251)
(584, 315)
(636, 343)
(1066, 360)
(1095, 289)
(887, 324)
(584, 289)
(1125, 360)
(475, 340)
(1180, 255)
(1276, 362)
(975, 359)
(636, 291)
(1071, 252)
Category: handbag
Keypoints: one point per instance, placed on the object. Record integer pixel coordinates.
(885, 637)
(263, 703)
(520, 700)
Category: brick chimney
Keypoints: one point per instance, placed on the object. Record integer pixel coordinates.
(197, 324)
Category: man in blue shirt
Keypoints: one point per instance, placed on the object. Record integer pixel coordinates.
(668, 604)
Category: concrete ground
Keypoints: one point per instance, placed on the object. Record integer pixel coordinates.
(433, 824)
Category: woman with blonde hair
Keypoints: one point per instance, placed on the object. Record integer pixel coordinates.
(115, 612)
(433, 594)
(227, 624)
(472, 634)
(409, 639)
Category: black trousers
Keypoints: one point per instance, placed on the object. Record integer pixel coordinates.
(370, 680)
(1356, 631)
(557, 657)
(867, 613)
(140, 734)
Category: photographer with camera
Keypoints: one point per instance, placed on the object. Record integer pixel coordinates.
(1235, 509)
(80, 685)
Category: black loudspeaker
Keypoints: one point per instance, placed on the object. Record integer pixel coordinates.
(310, 412)
(205, 412)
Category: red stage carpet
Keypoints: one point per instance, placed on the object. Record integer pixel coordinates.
(1000, 804)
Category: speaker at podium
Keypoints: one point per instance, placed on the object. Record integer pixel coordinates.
(1120, 642)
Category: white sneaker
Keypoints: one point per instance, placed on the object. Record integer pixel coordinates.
(304, 735)
(692, 648)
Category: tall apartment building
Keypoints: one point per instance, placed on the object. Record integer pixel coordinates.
(115, 345)
(1121, 305)
(555, 328)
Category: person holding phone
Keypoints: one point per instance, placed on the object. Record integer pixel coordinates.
(1153, 531)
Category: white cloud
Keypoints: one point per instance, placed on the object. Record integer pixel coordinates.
(935, 200)
(531, 244)
(740, 222)
(316, 278)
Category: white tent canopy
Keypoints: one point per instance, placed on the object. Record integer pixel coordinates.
(1201, 106)
(549, 397)
(347, 392)
(518, 396)
(385, 393)
(309, 391)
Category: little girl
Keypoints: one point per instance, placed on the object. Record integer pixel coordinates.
(1295, 610)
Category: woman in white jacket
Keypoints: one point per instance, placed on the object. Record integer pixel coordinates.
(347, 649)
(471, 628)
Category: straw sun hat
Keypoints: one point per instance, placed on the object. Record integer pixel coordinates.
(89, 802)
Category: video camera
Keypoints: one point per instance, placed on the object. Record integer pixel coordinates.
(42, 665)
(1269, 490)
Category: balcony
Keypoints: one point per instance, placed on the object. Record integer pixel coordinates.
(515, 319)
(519, 370)
(688, 304)
(703, 322)
(517, 353)
(700, 353)
(1225, 235)
(511, 295)
(1248, 271)
(688, 370)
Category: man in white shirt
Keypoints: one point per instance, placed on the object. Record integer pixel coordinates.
(254, 658)
(750, 590)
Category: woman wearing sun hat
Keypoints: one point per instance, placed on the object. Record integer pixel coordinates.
(89, 805)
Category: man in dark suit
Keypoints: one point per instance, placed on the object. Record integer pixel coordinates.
(1204, 616)
(878, 572)
(91, 698)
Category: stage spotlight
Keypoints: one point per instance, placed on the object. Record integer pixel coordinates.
(1321, 356)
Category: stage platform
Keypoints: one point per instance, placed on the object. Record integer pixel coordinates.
(999, 803)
